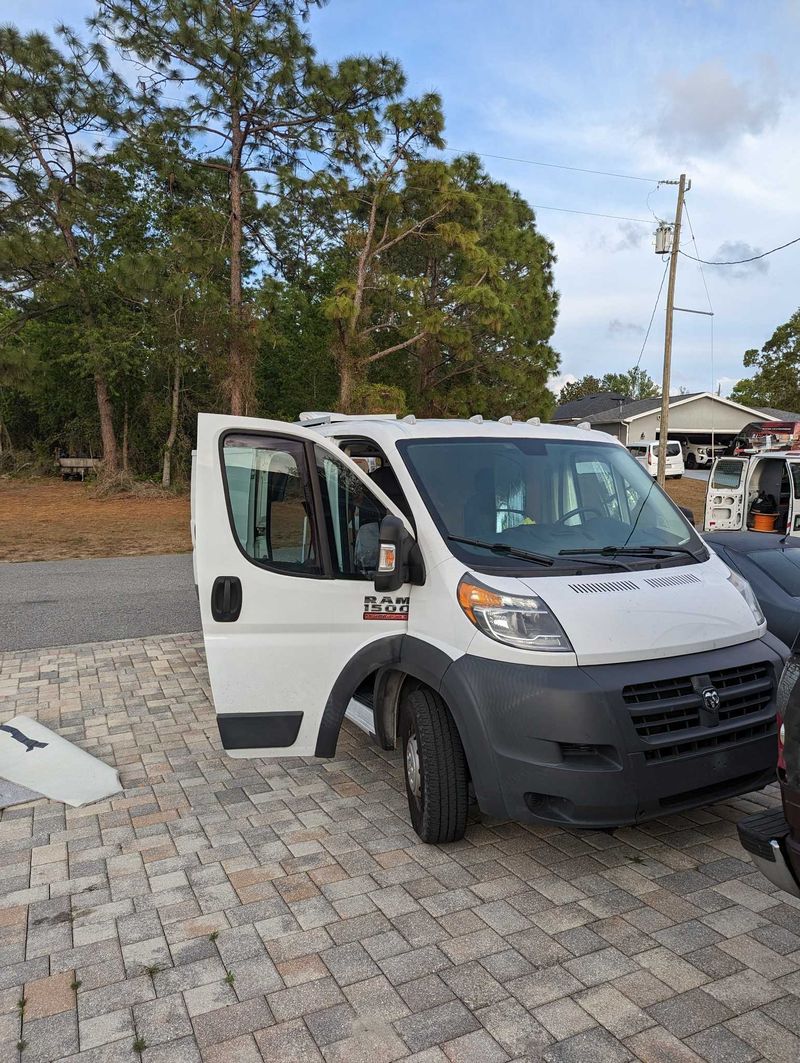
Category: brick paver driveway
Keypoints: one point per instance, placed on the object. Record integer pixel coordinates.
(238, 910)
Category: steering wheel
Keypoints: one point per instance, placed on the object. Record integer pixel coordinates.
(575, 512)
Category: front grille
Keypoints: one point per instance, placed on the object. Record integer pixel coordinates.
(710, 740)
(673, 707)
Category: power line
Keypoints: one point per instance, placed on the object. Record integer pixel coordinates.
(697, 258)
(652, 316)
(740, 261)
(711, 322)
(591, 213)
(551, 165)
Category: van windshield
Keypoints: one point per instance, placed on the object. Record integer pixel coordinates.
(549, 497)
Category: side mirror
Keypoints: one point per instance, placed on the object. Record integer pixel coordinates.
(399, 556)
(688, 513)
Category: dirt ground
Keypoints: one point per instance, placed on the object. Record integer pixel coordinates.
(691, 493)
(49, 520)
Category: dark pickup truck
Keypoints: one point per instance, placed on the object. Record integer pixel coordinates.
(772, 838)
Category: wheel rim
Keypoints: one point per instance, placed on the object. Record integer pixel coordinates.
(413, 767)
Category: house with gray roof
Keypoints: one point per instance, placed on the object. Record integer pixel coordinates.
(697, 417)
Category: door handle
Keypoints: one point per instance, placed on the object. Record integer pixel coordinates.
(226, 599)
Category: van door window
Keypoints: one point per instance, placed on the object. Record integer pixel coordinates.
(269, 504)
(352, 516)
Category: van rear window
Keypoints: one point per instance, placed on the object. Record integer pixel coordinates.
(727, 474)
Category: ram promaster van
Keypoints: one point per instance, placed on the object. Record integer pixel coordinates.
(518, 607)
(760, 491)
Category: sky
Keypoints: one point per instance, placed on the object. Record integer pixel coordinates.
(633, 87)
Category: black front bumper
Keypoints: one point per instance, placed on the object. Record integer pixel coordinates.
(615, 744)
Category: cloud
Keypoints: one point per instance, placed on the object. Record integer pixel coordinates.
(556, 383)
(726, 384)
(624, 328)
(631, 236)
(708, 109)
(733, 251)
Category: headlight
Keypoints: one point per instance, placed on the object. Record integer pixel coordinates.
(524, 622)
(746, 591)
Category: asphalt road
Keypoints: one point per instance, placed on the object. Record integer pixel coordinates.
(64, 603)
(697, 474)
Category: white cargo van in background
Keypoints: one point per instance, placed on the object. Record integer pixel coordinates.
(646, 453)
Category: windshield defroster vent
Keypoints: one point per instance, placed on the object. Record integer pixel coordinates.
(598, 588)
(672, 581)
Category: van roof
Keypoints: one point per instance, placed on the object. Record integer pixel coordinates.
(389, 426)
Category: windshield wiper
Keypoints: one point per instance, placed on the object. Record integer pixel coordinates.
(640, 551)
(504, 548)
(526, 555)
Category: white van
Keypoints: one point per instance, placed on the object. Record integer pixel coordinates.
(740, 488)
(518, 606)
(646, 453)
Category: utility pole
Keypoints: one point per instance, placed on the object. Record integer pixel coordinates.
(663, 432)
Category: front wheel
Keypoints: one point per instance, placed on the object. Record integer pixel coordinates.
(435, 768)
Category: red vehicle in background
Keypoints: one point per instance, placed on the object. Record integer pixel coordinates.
(765, 435)
(772, 837)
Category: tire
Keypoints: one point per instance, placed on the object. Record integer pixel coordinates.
(434, 767)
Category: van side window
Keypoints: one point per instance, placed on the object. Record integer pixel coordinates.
(352, 517)
(269, 502)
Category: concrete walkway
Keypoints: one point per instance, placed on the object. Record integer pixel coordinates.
(239, 910)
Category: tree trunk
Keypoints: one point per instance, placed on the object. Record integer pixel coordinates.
(235, 354)
(110, 458)
(166, 472)
(348, 378)
(125, 438)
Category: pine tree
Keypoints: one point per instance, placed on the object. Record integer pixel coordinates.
(258, 104)
(59, 110)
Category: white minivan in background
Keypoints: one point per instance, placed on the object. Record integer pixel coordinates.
(518, 607)
(646, 453)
